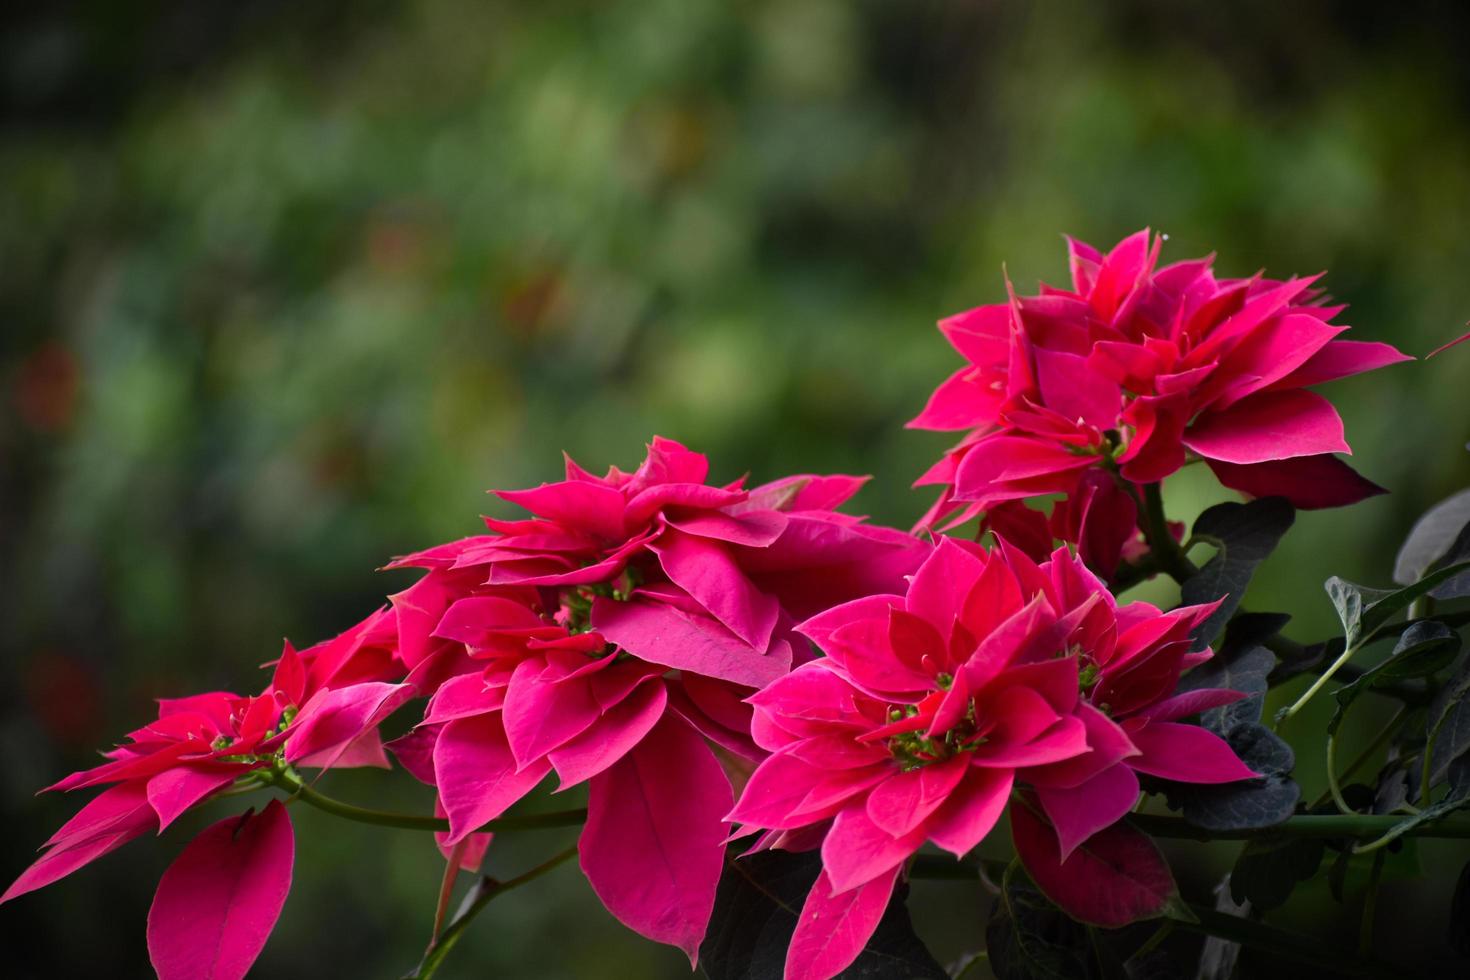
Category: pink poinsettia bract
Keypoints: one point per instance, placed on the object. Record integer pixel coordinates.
(932, 707)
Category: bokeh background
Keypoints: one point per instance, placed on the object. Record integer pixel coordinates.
(285, 287)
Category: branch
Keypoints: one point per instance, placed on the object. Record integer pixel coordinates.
(1346, 825)
(293, 784)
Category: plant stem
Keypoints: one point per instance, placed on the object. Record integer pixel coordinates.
(1169, 556)
(481, 896)
(1317, 685)
(1348, 825)
(293, 784)
(1257, 935)
(1378, 741)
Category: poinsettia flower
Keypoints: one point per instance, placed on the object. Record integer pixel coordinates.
(1130, 660)
(200, 745)
(1142, 369)
(612, 638)
(932, 706)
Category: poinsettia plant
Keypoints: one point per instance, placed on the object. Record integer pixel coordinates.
(784, 715)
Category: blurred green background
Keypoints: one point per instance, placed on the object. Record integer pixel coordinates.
(285, 287)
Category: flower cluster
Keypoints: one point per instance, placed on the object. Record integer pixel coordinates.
(1139, 370)
(932, 707)
(613, 639)
(719, 663)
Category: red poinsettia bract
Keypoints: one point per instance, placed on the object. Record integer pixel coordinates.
(933, 707)
(612, 638)
(1142, 369)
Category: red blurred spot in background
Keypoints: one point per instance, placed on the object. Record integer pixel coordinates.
(46, 388)
(65, 695)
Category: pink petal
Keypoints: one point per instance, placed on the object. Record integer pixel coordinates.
(171, 793)
(476, 620)
(334, 719)
(1064, 740)
(461, 697)
(1001, 458)
(623, 726)
(660, 634)
(1076, 393)
(707, 572)
(1267, 426)
(1155, 450)
(1187, 754)
(477, 775)
(980, 334)
(906, 799)
(1309, 482)
(543, 711)
(755, 529)
(1116, 877)
(1271, 354)
(804, 491)
(941, 584)
(811, 700)
(1081, 811)
(115, 809)
(289, 679)
(218, 902)
(653, 846)
(964, 400)
(833, 928)
(971, 810)
(1107, 745)
(857, 850)
(773, 796)
(591, 507)
(415, 752)
(820, 627)
(1341, 359)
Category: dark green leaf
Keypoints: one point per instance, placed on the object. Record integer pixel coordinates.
(1448, 724)
(1456, 586)
(1363, 611)
(1431, 537)
(755, 914)
(1267, 871)
(1029, 938)
(1239, 669)
(1245, 535)
(1250, 803)
(1460, 914)
(1423, 649)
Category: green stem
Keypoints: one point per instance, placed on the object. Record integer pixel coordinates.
(1347, 825)
(1169, 556)
(1332, 785)
(1303, 949)
(1378, 742)
(484, 893)
(293, 784)
(1130, 574)
(1317, 685)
